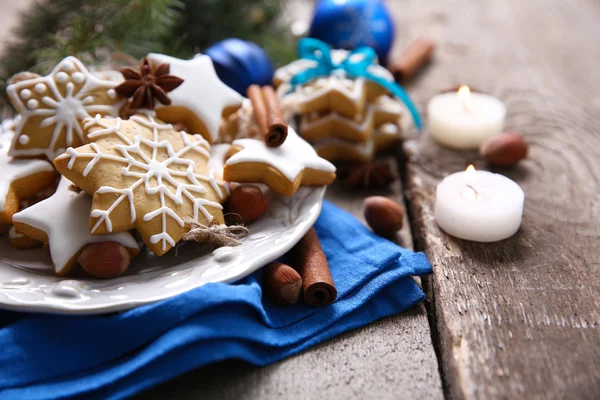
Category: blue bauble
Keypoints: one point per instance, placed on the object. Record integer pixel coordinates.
(348, 24)
(240, 63)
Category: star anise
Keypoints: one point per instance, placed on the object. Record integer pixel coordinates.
(148, 85)
(375, 174)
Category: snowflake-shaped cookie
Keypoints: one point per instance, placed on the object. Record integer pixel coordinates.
(145, 175)
(52, 108)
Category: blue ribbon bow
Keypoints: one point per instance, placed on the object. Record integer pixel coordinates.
(356, 65)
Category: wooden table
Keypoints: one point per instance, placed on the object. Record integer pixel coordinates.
(510, 320)
(514, 319)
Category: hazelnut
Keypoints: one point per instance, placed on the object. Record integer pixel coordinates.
(383, 215)
(246, 204)
(281, 283)
(505, 149)
(105, 260)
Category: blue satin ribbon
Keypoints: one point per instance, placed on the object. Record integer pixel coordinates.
(356, 65)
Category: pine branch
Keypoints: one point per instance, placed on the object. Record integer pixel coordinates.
(92, 30)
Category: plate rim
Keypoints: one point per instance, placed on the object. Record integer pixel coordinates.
(129, 304)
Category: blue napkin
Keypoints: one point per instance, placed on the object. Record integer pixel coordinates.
(117, 355)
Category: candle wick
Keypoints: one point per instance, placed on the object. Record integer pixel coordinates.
(472, 195)
(472, 188)
(465, 105)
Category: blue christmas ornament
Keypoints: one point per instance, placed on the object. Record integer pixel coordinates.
(240, 63)
(348, 24)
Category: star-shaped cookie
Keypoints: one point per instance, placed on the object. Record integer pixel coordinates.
(202, 99)
(20, 179)
(336, 92)
(282, 168)
(317, 126)
(62, 222)
(52, 108)
(143, 174)
(20, 241)
(337, 150)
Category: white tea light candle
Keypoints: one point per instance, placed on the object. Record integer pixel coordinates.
(463, 120)
(479, 205)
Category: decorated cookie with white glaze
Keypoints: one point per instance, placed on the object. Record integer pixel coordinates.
(20, 241)
(20, 179)
(53, 106)
(62, 222)
(144, 174)
(282, 168)
(336, 92)
(201, 101)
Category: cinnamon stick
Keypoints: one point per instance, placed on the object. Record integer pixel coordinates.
(311, 264)
(413, 59)
(268, 115)
(278, 128)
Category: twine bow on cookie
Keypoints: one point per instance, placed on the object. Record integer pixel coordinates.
(355, 65)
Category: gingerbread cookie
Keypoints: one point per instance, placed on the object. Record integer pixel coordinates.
(52, 108)
(20, 179)
(335, 149)
(62, 222)
(336, 92)
(145, 175)
(317, 126)
(282, 168)
(201, 100)
(20, 241)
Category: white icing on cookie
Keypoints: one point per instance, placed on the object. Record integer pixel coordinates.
(32, 104)
(291, 158)
(217, 162)
(286, 73)
(293, 101)
(201, 92)
(12, 170)
(64, 112)
(141, 161)
(352, 88)
(64, 217)
(40, 88)
(13, 234)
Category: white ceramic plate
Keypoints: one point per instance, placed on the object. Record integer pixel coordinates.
(28, 283)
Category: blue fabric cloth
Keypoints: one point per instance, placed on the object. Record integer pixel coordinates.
(117, 355)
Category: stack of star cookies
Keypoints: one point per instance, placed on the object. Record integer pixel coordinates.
(128, 161)
(344, 119)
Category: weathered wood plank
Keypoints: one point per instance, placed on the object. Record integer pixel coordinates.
(519, 318)
(383, 360)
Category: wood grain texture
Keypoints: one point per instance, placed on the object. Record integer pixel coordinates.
(392, 358)
(518, 318)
